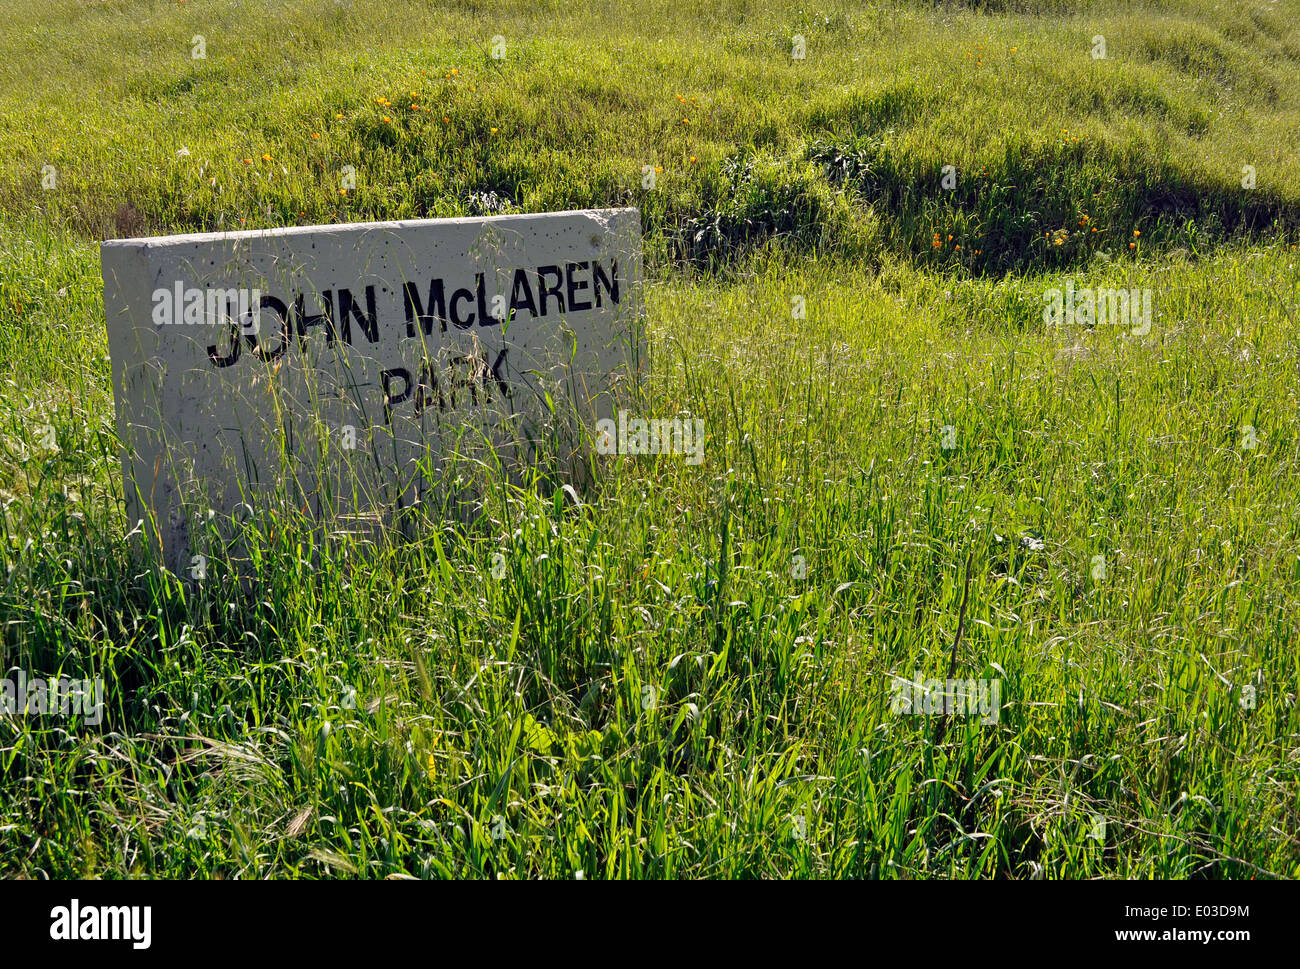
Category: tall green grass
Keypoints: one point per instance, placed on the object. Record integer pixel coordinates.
(686, 671)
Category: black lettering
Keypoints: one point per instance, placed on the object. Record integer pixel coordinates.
(456, 297)
(385, 380)
(483, 318)
(544, 291)
(574, 288)
(304, 320)
(428, 393)
(231, 358)
(521, 282)
(286, 333)
(415, 310)
(598, 277)
(498, 374)
(348, 312)
(460, 373)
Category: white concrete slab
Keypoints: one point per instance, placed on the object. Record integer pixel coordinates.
(334, 362)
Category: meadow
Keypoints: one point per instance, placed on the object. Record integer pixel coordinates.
(691, 671)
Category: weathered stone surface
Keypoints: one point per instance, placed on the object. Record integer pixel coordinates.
(343, 362)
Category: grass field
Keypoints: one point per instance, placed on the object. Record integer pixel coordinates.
(690, 671)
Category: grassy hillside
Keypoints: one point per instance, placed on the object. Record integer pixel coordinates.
(688, 670)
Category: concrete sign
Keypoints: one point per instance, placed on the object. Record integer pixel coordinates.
(340, 365)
